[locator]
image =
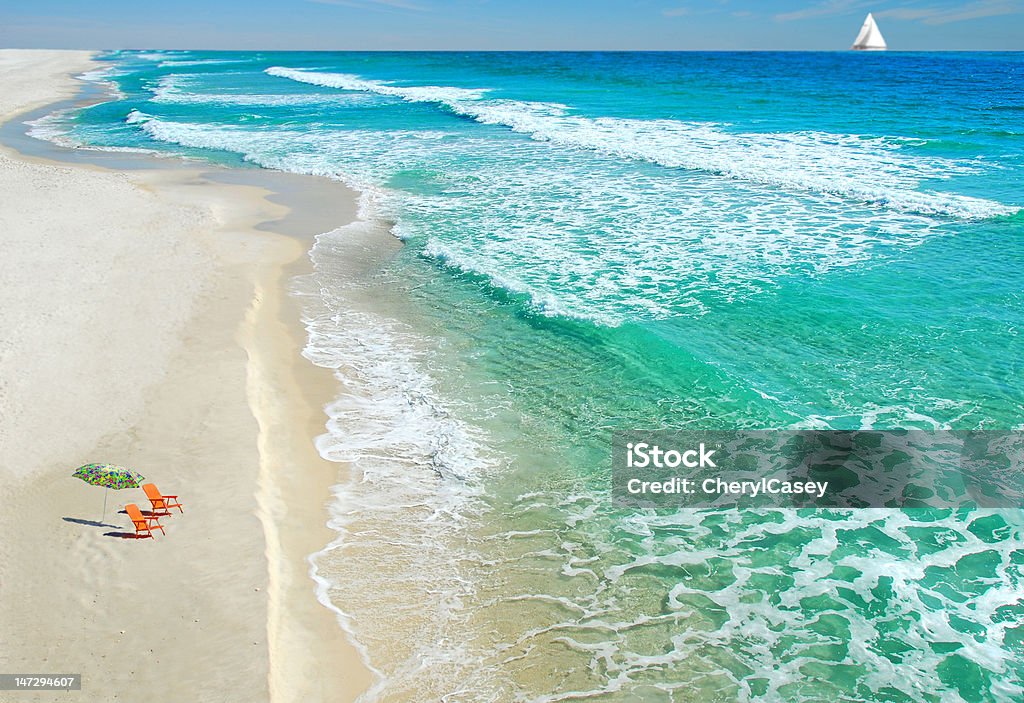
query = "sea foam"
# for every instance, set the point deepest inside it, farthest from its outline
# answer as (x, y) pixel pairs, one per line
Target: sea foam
(863, 169)
(414, 473)
(601, 247)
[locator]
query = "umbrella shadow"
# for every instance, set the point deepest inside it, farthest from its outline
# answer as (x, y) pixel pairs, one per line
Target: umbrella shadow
(88, 523)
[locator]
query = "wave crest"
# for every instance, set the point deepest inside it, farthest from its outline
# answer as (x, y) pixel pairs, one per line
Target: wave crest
(865, 169)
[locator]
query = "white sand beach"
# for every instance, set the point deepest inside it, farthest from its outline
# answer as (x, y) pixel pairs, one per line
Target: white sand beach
(144, 322)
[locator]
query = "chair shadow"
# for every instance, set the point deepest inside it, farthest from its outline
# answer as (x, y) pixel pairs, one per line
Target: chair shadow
(88, 523)
(121, 535)
(124, 535)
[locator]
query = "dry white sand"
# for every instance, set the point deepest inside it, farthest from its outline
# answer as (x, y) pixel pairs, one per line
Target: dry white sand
(143, 321)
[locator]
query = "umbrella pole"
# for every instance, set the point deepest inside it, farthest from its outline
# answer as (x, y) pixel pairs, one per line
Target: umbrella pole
(105, 492)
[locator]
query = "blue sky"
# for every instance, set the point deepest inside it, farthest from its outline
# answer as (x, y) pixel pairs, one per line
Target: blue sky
(494, 24)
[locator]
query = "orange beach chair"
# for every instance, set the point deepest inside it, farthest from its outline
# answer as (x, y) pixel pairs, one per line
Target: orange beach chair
(161, 503)
(143, 525)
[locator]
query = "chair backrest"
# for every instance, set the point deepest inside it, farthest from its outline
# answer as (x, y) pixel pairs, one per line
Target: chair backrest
(134, 513)
(151, 492)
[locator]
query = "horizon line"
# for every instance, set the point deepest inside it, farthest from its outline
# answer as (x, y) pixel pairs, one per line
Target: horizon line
(531, 51)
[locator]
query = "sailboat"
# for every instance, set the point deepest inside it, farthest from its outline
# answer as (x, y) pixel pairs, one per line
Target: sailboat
(870, 38)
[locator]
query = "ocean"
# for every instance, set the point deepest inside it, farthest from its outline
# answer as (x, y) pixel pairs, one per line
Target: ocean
(597, 242)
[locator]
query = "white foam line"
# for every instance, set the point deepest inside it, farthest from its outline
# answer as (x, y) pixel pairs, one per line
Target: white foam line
(172, 89)
(197, 62)
(323, 587)
(413, 466)
(851, 166)
(718, 240)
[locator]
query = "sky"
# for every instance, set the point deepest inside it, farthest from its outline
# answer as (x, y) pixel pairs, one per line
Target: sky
(910, 25)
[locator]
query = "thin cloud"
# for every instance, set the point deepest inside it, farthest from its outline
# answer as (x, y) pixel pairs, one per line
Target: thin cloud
(716, 7)
(384, 5)
(823, 9)
(946, 15)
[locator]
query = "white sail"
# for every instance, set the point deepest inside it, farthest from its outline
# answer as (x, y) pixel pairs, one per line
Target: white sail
(870, 37)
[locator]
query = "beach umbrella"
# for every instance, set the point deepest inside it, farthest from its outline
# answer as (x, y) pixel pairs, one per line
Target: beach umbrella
(109, 476)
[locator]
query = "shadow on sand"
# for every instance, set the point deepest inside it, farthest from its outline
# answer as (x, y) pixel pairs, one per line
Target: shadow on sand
(126, 535)
(89, 523)
(121, 535)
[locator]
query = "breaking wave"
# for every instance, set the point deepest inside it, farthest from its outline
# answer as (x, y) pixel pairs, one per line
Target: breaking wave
(863, 169)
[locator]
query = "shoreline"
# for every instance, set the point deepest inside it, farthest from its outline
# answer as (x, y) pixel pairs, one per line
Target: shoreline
(252, 235)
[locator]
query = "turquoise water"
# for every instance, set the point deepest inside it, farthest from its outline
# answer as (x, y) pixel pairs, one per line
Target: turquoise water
(604, 241)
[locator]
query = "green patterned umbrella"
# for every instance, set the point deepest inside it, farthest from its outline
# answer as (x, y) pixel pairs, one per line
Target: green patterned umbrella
(109, 476)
